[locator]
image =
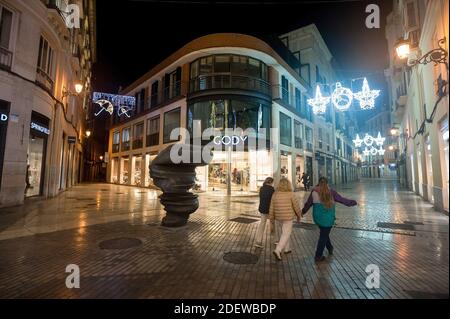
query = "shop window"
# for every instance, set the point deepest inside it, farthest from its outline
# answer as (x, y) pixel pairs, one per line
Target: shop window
(124, 170)
(285, 130)
(115, 170)
(152, 132)
(138, 137)
(116, 142)
(136, 170)
(126, 139)
(171, 122)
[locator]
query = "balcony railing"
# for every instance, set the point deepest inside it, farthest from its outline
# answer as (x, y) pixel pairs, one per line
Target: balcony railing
(152, 139)
(298, 142)
(115, 148)
(138, 143)
(125, 146)
(5, 58)
(309, 146)
(44, 80)
(228, 81)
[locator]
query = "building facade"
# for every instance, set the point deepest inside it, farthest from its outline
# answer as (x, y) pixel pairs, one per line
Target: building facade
(224, 81)
(334, 155)
(419, 98)
(42, 59)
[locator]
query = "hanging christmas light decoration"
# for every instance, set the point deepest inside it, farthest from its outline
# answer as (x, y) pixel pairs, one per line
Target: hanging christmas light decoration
(107, 102)
(342, 97)
(366, 152)
(367, 96)
(357, 141)
(381, 151)
(105, 106)
(368, 140)
(373, 151)
(379, 140)
(319, 102)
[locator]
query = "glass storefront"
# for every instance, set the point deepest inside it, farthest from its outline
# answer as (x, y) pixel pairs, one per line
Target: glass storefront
(124, 176)
(148, 160)
(37, 146)
(115, 170)
(246, 171)
(136, 170)
(299, 169)
(286, 165)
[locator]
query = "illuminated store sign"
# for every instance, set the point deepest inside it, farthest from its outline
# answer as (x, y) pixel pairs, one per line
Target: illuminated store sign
(229, 140)
(3, 117)
(40, 128)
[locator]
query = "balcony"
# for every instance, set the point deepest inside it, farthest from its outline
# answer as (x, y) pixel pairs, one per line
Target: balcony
(138, 143)
(5, 59)
(115, 148)
(228, 81)
(125, 146)
(298, 143)
(152, 139)
(168, 93)
(44, 80)
(309, 146)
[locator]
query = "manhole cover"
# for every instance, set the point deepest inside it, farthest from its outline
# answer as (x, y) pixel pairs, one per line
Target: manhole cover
(305, 226)
(243, 220)
(395, 226)
(120, 243)
(412, 223)
(240, 258)
(242, 202)
(426, 295)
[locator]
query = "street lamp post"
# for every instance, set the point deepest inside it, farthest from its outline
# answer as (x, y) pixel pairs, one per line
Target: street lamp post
(437, 55)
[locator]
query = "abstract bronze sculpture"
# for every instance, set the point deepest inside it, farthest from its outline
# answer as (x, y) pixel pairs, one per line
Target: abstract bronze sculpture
(175, 180)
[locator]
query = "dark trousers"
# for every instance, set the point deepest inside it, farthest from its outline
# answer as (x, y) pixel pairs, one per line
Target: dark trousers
(324, 241)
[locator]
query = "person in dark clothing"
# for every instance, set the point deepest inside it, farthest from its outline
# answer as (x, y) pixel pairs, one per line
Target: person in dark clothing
(305, 181)
(323, 199)
(265, 196)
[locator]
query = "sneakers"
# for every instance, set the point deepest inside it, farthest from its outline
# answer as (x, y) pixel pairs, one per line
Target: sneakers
(288, 251)
(258, 245)
(277, 255)
(319, 259)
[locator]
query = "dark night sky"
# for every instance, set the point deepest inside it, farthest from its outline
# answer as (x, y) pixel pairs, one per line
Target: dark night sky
(135, 35)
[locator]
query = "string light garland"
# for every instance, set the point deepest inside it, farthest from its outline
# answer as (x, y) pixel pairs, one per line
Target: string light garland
(107, 102)
(370, 144)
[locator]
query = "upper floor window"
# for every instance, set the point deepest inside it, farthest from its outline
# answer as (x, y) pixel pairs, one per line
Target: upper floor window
(172, 84)
(298, 100)
(126, 139)
(171, 122)
(309, 138)
(154, 94)
(152, 131)
(45, 58)
(138, 138)
(285, 129)
(116, 141)
(298, 134)
(5, 27)
(284, 89)
(5, 36)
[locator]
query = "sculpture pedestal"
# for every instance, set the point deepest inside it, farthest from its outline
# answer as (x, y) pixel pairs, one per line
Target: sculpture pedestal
(178, 208)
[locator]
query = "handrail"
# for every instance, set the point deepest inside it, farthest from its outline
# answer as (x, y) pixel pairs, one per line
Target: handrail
(228, 81)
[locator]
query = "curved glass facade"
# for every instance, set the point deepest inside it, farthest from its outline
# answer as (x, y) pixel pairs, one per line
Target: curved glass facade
(228, 71)
(233, 112)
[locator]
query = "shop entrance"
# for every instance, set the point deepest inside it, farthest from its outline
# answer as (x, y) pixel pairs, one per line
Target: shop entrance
(35, 165)
(239, 172)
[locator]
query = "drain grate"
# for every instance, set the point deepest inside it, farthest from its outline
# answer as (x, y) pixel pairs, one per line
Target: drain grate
(242, 202)
(305, 226)
(396, 226)
(240, 258)
(426, 295)
(243, 220)
(120, 243)
(407, 222)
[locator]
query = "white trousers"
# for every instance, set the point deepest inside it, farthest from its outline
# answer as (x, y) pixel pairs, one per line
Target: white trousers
(261, 228)
(286, 230)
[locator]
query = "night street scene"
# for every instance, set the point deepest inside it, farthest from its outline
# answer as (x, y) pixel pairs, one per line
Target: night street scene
(225, 156)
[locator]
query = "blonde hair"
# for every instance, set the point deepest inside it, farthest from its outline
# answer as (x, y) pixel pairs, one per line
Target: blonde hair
(284, 185)
(325, 193)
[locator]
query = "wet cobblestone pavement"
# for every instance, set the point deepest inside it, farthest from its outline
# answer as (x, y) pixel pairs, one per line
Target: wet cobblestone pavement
(39, 239)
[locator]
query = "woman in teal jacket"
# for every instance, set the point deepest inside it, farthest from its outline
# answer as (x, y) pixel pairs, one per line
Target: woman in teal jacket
(323, 199)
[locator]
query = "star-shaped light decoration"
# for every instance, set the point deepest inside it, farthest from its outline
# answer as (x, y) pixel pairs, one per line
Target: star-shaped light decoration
(366, 152)
(367, 96)
(381, 151)
(357, 141)
(379, 140)
(319, 102)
